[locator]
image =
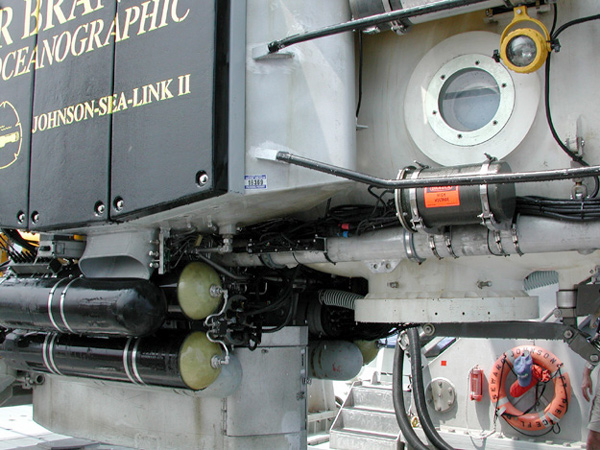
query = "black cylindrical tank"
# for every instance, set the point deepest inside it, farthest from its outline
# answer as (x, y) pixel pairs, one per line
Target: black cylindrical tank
(166, 359)
(82, 306)
(433, 208)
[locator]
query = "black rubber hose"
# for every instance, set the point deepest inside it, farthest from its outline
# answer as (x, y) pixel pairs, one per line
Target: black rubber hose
(408, 433)
(419, 392)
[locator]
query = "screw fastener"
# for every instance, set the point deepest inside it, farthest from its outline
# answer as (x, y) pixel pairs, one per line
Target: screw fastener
(202, 178)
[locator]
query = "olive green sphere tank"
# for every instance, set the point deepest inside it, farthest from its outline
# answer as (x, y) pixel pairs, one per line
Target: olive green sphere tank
(195, 359)
(194, 290)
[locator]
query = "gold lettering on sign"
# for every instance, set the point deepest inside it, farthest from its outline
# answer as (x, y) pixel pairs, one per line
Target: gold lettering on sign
(112, 104)
(45, 15)
(6, 16)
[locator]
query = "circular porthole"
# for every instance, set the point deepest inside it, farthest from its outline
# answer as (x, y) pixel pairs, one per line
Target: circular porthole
(461, 104)
(469, 100)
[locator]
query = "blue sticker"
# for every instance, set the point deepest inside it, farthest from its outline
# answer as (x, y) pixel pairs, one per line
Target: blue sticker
(255, 182)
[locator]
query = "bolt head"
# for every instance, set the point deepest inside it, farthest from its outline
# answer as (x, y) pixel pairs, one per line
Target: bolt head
(594, 358)
(119, 204)
(428, 329)
(202, 178)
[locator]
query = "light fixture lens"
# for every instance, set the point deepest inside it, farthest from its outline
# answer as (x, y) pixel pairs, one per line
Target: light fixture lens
(521, 51)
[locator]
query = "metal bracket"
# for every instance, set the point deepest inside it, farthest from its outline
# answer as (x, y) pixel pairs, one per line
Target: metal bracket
(163, 234)
(262, 54)
(384, 266)
(588, 299)
(578, 341)
(402, 341)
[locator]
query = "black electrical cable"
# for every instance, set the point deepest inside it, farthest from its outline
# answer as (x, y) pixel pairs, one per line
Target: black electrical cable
(408, 433)
(573, 22)
(419, 391)
(360, 72)
(288, 318)
(560, 143)
(572, 209)
(554, 41)
(554, 20)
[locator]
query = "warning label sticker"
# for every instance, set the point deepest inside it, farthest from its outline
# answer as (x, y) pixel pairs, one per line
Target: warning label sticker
(439, 196)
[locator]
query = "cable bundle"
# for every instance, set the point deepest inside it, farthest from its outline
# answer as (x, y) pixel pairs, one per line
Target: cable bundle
(573, 210)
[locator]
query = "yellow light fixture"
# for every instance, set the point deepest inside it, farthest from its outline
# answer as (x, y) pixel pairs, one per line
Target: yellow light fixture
(525, 49)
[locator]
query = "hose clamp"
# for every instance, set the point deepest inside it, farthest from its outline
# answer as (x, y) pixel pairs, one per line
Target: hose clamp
(515, 239)
(486, 216)
(416, 218)
(398, 201)
(448, 239)
(409, 248)
(431, 239)
(498, 242)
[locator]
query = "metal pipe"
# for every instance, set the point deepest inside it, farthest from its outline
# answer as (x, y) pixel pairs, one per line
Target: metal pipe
(371, 21)
(221, 269)
(453, 180)
(531, 235)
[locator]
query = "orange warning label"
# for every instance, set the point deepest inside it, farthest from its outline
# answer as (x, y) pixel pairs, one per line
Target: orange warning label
(439, 196)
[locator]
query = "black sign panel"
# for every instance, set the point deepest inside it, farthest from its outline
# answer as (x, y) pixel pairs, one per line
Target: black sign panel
(110, 109)
(16, 82)
(71, 122)
(162, 143)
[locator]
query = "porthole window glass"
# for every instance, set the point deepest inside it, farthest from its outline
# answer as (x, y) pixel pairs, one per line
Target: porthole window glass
(469, 99)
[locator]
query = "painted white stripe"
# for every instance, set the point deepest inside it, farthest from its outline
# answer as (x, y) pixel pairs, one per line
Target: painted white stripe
(51, 354)
(126, 361)
(62, 305)
(45, 353)
(134, 362)
(50, 298)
